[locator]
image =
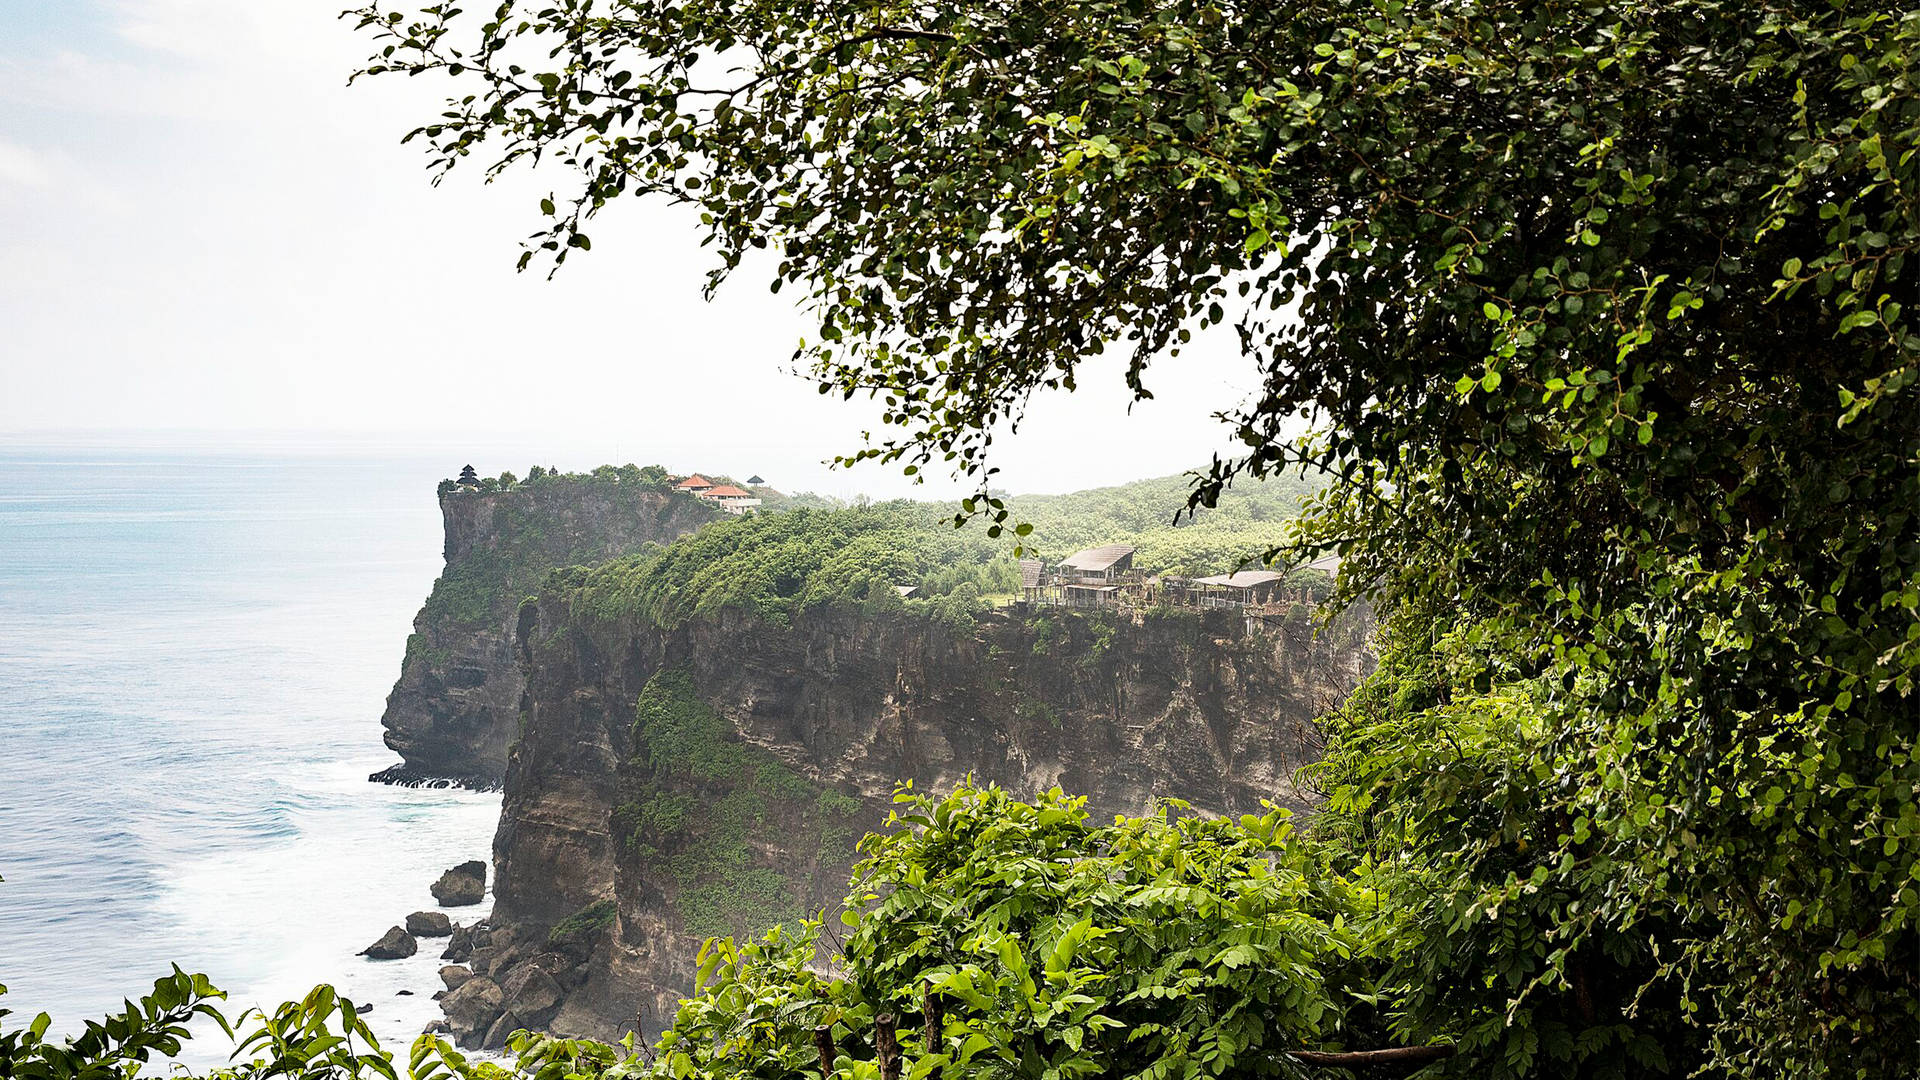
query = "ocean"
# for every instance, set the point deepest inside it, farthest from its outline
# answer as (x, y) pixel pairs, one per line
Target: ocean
(194, 652)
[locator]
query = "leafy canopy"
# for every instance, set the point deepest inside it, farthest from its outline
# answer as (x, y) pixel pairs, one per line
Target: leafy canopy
(323, 1036)
(1602, 314)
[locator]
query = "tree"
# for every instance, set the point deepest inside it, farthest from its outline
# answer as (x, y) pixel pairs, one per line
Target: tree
(1021, 939)
(1601, 315)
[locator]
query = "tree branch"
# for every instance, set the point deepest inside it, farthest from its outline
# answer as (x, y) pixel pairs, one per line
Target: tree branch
(1354, 1059)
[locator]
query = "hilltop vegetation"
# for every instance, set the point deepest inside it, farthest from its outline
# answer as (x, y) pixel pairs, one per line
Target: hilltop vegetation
(529, 536)
(1248, 520)
(644, 477)
(777, 565)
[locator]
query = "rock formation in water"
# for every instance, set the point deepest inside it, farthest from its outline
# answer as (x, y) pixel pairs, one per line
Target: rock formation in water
(429, 924)
(711, 778)
(395, 944)
(455, 706)
(462, 885)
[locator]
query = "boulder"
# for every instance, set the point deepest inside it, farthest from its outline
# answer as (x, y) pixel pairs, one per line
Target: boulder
(530, 994)
(496, 1037)
(460, 947)
(566, 970)
(437, 1027)
(501, 961)
(463, 885)
(403, 993)
(395, 944)
(473, 1008)
(455, 975)
(429, 924)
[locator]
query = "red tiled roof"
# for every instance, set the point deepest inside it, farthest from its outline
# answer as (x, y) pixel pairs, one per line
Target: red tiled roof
(727, 490)
(694, 481)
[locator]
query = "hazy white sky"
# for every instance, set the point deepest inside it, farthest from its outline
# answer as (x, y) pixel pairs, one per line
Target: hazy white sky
(203, 230)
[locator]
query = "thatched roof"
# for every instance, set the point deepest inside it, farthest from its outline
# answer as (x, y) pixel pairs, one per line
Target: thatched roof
(1100, 558)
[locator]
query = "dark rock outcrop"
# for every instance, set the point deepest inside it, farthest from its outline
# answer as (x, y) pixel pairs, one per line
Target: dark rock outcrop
(462, 886)
(434, 923)
(531, 994)
(817, 721)
(395, 944)
(453, 710)
(472, 1009)
(455, 975)
(502, 1029)
(459, 945)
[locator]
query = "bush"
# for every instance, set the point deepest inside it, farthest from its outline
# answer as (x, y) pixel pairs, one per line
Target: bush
(584, 924)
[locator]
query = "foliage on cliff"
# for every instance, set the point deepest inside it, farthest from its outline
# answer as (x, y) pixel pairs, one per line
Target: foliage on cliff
(694, 802)
(535, 526)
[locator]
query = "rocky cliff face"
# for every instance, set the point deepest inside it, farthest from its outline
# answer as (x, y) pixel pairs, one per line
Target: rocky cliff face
(456, 705)
(711, 778)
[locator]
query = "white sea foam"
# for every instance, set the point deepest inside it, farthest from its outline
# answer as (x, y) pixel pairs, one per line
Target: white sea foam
(193, 661)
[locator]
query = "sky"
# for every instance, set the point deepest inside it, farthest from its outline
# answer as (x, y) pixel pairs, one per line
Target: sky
(207, 239)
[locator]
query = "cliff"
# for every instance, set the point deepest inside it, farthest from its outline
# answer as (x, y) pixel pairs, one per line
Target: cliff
(456, 705)
(710, 776)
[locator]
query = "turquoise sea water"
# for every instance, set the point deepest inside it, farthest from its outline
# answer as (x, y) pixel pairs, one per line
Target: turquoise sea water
(194, 653)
